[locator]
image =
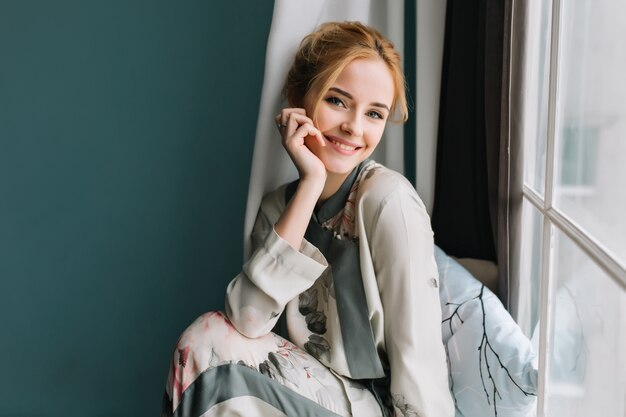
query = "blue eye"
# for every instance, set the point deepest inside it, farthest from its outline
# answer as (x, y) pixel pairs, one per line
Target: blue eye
(375, 115)
(335, 100)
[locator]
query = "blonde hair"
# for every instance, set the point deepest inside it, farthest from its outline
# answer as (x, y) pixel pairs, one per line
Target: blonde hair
(324, 54)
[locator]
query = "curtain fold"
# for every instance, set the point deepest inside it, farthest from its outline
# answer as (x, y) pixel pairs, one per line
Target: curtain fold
(461, 216)
(291, 21)
(478, 178)
(430, 28)
(517, 116)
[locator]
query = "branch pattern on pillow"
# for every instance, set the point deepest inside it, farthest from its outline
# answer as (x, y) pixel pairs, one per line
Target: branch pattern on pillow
(491, 361)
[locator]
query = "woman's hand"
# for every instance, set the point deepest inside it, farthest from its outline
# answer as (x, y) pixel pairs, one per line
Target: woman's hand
(296, 129)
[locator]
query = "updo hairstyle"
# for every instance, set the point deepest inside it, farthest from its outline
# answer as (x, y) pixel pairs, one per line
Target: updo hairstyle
(323, 54)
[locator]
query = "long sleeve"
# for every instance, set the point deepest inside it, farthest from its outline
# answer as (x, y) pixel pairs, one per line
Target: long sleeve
(273, 276)
(402, 250)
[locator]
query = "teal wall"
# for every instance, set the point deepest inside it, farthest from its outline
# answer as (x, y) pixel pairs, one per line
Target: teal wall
(126, 133)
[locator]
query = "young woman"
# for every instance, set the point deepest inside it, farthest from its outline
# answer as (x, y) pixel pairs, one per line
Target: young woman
(342, 268)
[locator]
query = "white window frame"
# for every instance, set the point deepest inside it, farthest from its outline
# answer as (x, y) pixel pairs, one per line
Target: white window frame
(554, 219)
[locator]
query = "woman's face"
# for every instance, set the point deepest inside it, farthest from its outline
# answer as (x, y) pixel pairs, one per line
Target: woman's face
(352, 115)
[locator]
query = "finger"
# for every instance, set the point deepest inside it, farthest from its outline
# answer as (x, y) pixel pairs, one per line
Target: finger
(282, 119)
(279, 124)
(284, 113)
(296, 119)
(301, 119)
(320, 138)
(308, 129)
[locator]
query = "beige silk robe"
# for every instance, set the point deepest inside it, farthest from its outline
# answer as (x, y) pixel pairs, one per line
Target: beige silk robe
(373, 316)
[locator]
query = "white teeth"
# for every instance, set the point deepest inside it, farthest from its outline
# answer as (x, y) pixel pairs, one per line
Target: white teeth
(342, 146)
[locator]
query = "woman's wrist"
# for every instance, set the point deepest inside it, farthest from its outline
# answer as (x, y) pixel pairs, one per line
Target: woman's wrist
(294, 220)
(313, 185)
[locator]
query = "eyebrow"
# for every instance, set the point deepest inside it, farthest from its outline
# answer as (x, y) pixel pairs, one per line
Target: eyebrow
(345, 93)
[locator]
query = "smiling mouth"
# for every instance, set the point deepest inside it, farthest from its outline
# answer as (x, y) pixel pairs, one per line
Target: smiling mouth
(342, 145)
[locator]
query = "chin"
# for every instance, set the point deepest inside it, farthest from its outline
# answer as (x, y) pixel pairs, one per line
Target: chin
(341, 167)
(338, 164)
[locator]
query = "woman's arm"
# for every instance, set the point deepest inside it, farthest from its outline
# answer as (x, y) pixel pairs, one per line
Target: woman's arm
(293, 222)
(402, 250)
(296, 130)
(275, 273)
(283, 264)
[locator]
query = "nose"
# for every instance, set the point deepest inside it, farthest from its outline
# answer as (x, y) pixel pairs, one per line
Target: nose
(353, 126)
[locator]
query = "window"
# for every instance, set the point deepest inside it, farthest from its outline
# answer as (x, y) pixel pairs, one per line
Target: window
(573, 276)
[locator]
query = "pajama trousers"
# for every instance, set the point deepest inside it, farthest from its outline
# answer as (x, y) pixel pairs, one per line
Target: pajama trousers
(216, 371)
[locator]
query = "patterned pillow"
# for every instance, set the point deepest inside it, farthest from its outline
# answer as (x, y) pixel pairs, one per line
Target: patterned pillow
(491, 361)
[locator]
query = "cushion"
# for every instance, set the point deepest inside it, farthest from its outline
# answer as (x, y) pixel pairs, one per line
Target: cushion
(491, 362)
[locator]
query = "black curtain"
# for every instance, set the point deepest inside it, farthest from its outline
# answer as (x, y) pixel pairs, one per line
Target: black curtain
(469, 146)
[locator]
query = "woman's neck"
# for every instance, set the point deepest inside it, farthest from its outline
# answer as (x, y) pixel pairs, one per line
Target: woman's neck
(332, 185)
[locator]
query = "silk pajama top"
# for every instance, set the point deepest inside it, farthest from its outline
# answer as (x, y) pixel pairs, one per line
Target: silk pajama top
(360, 294)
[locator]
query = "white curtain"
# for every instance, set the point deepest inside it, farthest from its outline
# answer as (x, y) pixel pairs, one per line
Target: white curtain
(429, 29)
(291, 21)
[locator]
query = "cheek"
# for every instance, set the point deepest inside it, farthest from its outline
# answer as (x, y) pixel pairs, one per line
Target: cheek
(326, 119)
(312, 143)
(375, 136)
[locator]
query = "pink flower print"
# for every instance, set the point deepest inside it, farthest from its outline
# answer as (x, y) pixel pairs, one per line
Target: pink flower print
(183, 354)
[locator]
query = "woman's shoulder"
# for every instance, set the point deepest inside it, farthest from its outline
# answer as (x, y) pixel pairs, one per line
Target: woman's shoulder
(383, 190)
(379, 183)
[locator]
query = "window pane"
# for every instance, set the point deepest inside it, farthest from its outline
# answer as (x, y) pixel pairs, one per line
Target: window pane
(590, 169)
(530, 270)
(536, 94)
(588, 357)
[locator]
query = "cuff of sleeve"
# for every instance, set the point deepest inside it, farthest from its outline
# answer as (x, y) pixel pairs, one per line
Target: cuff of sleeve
(307, 261)
(276, 261)
(308, 249)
